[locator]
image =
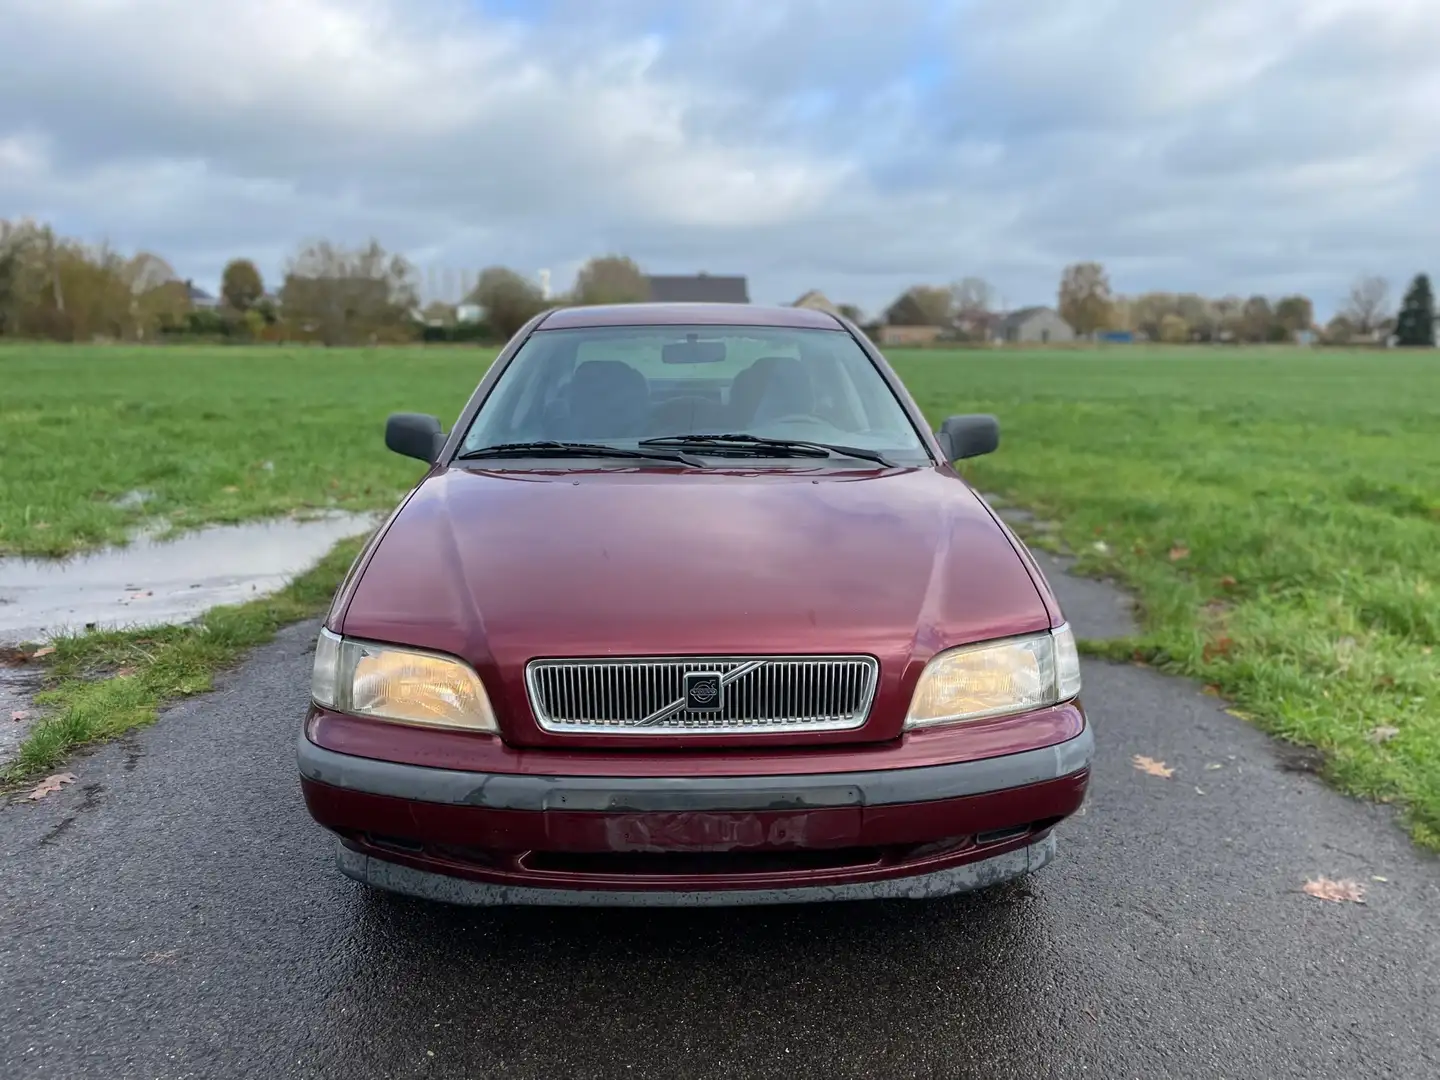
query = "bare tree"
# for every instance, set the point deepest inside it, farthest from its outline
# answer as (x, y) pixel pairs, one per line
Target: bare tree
(972, 297)
(1368, 305)
(1085, 299)
(611, 279)
(348, 295)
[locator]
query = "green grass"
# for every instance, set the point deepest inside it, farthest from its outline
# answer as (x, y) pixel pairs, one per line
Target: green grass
(214, 433)
(1276, 512)
(1298, 492)
(102, 684)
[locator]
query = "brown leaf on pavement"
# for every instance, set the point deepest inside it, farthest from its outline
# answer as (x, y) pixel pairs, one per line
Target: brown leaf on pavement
(1151, 767)
(50, 785)
(1337, 892)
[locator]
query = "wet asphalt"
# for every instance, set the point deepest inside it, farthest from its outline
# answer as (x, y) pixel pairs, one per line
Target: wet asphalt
(174, 913)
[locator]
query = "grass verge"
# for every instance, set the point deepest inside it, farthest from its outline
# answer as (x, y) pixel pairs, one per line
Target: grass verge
(1277, 517)
(101, 684)
(98, 440)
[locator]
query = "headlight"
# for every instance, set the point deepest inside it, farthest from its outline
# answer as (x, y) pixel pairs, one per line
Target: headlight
(406, 686)
(994, 678)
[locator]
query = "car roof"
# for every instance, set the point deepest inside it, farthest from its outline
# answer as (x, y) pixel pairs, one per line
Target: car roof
(676, 314)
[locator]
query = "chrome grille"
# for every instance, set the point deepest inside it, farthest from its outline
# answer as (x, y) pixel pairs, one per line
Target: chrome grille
(759, 693)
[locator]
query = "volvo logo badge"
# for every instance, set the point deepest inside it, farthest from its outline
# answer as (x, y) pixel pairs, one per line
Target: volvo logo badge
(704, 691)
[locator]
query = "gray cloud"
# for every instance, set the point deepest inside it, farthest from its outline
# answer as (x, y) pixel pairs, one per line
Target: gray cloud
(1224, 145)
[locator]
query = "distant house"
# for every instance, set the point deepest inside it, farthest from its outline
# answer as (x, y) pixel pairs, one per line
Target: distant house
(699, 288)
(907, 335)
(815, 300)
(199, 298)
(1041, 325)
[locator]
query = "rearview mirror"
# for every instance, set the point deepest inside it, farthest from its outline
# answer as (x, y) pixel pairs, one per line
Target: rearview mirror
(693, 351)
(968, 436)
(416, 435)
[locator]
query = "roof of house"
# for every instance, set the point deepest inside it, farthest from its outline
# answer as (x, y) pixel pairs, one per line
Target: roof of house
(816, 300)
(1020, 315)
(698, 288)
(701, 314)
(197, 294)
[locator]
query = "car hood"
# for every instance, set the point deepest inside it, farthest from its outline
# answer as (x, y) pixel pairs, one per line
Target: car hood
(503, 567)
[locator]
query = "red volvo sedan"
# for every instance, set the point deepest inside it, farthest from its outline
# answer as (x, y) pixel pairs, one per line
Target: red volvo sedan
(690, 607)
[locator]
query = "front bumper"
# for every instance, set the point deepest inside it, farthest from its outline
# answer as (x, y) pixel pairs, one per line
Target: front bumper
(526, 838)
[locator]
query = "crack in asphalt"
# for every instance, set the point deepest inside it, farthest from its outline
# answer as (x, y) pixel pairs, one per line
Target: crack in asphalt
(190, 923)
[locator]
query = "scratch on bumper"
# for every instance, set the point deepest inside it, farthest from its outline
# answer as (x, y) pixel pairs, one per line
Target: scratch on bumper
(452, 890)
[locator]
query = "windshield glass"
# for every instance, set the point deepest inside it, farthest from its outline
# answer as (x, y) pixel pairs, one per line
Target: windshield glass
(617, 385)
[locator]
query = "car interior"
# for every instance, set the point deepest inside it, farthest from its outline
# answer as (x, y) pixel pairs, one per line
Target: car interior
(610, 399)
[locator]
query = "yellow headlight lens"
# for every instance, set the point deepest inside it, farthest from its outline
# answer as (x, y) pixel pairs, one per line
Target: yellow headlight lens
(996, 678)
(406, 686)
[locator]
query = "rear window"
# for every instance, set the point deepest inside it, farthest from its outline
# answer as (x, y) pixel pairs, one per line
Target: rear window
(618, 385)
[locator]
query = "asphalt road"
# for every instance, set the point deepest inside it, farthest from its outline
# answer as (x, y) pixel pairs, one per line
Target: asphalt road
(175, 914)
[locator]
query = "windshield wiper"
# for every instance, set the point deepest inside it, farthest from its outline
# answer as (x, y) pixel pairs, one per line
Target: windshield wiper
(759, 444)
(553, 448)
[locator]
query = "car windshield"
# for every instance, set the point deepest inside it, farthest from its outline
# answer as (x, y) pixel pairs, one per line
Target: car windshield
(618, 386)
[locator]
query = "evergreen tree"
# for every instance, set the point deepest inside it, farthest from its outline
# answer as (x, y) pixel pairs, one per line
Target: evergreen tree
(1416, 324)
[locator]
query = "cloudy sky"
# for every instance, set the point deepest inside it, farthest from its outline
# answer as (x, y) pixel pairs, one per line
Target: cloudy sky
(857, 146)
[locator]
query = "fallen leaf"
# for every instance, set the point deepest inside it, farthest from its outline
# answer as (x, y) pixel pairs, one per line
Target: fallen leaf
(1177, 553)
(1199, 790)
(1221, 646)
(1337, 892)
(1383, 734)
(50, 785)
(1151, 767)
(121, 673)
(1228, 582)
(42, 652)
(18, 715)
(1212, 690)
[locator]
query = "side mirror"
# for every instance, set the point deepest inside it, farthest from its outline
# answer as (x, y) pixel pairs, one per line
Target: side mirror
(969, 436)
(416, 435)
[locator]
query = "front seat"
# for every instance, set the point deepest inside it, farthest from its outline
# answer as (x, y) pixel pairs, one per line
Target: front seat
(748, 387)
(607, 399)
(787, 392)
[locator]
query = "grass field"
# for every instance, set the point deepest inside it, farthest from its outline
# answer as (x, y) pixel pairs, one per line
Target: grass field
(1277, 512)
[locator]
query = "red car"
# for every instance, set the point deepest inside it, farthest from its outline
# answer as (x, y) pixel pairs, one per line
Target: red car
(691, 607)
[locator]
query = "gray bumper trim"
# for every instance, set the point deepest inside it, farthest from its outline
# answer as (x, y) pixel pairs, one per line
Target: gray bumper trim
(452, 890)
(670, 794)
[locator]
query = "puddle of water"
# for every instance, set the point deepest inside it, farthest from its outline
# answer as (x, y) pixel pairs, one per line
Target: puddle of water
(151, 581)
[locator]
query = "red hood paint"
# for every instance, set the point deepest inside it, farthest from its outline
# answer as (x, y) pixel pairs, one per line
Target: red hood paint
(503, 567)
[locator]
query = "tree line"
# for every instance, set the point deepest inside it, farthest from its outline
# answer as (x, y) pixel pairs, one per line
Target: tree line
(64, 290)
(59, 288)
(966, 310)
